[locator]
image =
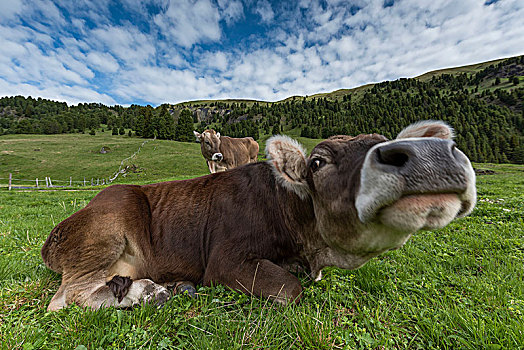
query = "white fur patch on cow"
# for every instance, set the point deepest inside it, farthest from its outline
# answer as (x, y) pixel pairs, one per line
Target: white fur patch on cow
(217, 157)
(427, 128)
(288, 161)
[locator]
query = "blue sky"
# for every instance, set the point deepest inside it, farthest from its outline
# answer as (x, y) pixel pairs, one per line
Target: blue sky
(151, 52)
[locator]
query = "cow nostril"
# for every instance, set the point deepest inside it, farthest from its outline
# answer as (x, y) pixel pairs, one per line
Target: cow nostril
(394, 157)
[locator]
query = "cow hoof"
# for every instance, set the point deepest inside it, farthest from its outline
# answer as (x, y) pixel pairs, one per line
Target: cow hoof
(162, 297)
(188, 289)
(154, 294)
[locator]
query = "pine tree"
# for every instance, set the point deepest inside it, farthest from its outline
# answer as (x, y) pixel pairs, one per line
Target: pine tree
(166, 126)
(184, 127)
(149, 128)
(139, 125)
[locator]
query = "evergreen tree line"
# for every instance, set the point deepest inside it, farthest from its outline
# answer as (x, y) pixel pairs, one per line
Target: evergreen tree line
(161, 125)
(21, 115)
(244, 128)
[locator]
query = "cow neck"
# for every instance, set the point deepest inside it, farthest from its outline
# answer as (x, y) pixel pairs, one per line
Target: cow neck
(315, 251)
(301, 222)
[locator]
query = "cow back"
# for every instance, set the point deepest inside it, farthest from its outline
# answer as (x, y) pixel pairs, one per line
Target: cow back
(238, 151)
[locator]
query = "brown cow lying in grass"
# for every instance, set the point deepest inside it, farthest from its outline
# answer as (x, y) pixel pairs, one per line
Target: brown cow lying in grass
(224, 153)
(352, 199)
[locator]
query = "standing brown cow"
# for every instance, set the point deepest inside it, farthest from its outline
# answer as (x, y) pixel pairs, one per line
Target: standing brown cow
(224, 153)
(352, 199)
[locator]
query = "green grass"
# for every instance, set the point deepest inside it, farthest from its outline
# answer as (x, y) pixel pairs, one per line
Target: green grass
(459, 287)
(78, 156)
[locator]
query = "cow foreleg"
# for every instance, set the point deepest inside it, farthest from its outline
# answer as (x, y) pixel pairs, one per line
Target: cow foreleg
(258, 277)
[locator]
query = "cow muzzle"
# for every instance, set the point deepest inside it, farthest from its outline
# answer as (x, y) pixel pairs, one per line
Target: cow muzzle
(415, 183)
(217, 157)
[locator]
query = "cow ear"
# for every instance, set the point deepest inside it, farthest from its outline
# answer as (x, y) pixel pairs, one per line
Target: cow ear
(427, 128)
(218, 134)
(197, 135)
(288, 160)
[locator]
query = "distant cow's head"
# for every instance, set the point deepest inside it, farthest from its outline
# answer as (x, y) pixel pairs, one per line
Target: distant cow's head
(210, 144)
(370, 194)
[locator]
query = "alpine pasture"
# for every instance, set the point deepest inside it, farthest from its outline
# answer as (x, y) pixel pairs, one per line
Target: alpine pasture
(458, 287)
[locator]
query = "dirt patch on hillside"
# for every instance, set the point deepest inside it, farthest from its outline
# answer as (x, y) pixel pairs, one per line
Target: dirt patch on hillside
(507, 71)
(484, 171)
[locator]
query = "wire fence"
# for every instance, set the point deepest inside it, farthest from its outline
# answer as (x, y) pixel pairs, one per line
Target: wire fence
(47, 182)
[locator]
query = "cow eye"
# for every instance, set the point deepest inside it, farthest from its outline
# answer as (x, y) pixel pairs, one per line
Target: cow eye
(316, 164)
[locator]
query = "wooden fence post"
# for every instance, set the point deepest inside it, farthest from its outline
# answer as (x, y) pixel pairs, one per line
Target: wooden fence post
(70, 181)
(50, 183)
(91, 181)
(84, 180)
(36, 182)
(46, 182)
(10, 178)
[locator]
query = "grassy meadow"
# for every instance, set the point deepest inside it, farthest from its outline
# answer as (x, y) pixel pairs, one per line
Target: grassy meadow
(78, 156)
(458, 287)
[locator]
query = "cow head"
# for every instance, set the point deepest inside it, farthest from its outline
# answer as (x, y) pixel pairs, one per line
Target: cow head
(210, 144)
(370, 194)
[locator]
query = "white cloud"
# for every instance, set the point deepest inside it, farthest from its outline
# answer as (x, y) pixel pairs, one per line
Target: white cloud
(187, 22)
(96, 11)
(10, 8)
(214, 60)
(78, 66)
(103, 62)
(163, 85)
(126, 43)
(265, 11)
(231, 10)
(175, 59)
(47, 13)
